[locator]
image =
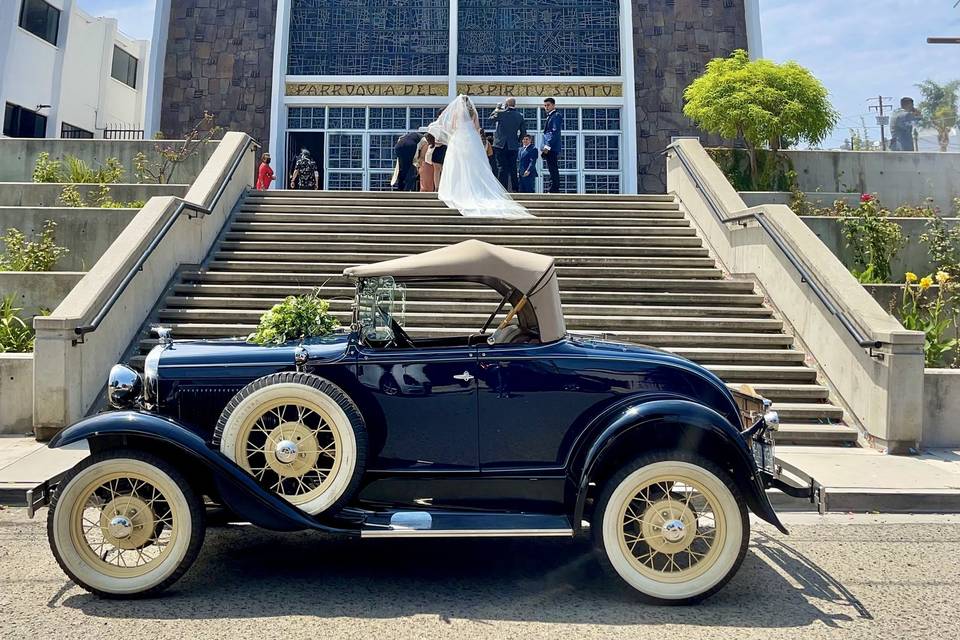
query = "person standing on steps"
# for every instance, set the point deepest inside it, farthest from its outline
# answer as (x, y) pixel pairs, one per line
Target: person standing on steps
(264, 173)
(552, 142)
(511, 126)
(305, 175)
(424, 163)
(527, 160)
(405, 150)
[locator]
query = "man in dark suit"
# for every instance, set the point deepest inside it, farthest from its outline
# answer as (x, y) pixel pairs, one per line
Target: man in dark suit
(405, 149)
(552, 142)
(527, 159)
(506, 140)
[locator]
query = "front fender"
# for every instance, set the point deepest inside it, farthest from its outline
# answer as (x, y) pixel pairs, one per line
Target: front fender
(682, 424)
(239, 491)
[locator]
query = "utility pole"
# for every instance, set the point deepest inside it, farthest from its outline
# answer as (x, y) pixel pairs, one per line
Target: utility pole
(882, 119)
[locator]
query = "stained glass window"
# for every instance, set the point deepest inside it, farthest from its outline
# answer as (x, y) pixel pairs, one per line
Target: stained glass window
(601, 119)
(539, 37)
(601, 152)
(422, 116)
(345, 151)
(369, 37)
(381, 149)
(306, 118)
(347, 118)
(341, 181)
(568, 182)
(388, 118)
(380, 181)
(596, 183)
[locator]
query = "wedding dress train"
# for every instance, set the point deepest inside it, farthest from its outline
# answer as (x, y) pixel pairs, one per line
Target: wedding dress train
(466, 182)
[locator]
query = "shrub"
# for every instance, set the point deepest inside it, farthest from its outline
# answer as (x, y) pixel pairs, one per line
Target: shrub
(943, 245)
(100, 197)
(872, 238)
(169, 156)
(47, 170)
(76, 170)
(296, 317)
(932, 312)
(16, 334)
(40, 254)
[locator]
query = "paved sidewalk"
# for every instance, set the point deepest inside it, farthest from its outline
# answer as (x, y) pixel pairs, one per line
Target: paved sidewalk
(25, 463)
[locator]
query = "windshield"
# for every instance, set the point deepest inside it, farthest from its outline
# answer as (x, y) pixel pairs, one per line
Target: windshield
(380, 300)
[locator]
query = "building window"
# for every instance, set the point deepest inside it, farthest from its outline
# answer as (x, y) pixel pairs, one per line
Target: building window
(369, 37)
(345, 151)
(347, 118)
(307, 118)
(601, 119)
(601, 152)
(422, 116)
(70, 131)
(23, 123)
(388, 118)
(381, 150)
(539, 38)
(124, 67)
(40, 19)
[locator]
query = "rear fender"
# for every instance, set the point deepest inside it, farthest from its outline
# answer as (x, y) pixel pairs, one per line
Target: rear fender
(671, 424)
(238, 490)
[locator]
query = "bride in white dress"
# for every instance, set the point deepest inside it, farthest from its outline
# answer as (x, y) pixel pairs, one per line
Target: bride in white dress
(467, 183)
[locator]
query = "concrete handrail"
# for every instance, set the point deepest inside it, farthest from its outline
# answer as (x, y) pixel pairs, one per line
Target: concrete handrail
(126, 281)
(872, 363)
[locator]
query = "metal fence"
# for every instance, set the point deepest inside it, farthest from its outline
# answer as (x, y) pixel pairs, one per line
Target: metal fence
(121, 133)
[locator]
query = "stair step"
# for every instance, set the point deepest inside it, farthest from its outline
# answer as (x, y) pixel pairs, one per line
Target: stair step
(476, 320)
(476, 293)
(566, 284)
(265, 213)
(797, 411)
(339, 261)
(790, 392)
(401, 230)
(386, 246)
(815, 434)
(239, 232)
(751, 374)
(705, 355)
(334, 270)
(438, 306)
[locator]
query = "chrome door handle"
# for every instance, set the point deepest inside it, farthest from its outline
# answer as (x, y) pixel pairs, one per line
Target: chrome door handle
(465, 376)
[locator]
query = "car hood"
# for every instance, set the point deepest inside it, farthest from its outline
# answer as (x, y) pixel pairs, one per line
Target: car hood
(237, 351)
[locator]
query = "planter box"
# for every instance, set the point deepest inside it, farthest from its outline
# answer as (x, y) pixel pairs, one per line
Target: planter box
(941, 408)
(36, 290)
(16, 393)
(30, 194)
(87, 233)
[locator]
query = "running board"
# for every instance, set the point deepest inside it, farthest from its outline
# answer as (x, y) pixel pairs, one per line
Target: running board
(435, 524)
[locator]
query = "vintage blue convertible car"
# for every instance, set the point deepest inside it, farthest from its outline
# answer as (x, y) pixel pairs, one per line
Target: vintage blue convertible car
(522, 431)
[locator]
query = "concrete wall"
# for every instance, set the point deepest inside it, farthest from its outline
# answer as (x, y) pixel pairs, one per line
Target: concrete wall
(34, 290)
(18, 156)
(880, 389)
(33, 194)
(914, 256)
(941, 408)
(69, 377)
(897, 177)
(817, 198)
(16, 392)
(87, 233)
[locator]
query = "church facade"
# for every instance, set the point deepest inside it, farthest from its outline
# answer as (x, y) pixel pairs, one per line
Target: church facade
(344, 78)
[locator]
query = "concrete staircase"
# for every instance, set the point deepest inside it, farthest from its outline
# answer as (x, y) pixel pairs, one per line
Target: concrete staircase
(631, 266)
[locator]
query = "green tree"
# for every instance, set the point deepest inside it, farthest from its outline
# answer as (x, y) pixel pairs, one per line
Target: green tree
(939, 109)
(761, 102)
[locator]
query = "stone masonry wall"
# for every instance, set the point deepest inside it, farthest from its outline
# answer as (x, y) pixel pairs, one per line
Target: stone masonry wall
(673, 40)
(219, 59)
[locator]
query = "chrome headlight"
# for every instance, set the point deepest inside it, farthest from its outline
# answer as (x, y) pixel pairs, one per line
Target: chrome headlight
(772, 418)
(123, 387)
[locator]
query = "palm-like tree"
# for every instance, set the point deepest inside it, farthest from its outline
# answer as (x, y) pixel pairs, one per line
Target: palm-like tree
(939, 108)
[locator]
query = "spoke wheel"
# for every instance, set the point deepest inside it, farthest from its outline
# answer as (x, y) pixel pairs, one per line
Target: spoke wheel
(674, 529)
(292, 447)
(125, 524)
(299, 436)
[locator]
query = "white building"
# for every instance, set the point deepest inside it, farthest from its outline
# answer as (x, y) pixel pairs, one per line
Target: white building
(64, 73)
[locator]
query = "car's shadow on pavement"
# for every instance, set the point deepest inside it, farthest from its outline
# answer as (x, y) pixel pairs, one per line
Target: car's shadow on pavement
(243, 572)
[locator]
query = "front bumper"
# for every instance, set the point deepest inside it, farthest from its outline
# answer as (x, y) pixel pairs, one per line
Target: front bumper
(774, 472)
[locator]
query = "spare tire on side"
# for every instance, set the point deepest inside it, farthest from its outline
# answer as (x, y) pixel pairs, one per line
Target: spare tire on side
(300, 436)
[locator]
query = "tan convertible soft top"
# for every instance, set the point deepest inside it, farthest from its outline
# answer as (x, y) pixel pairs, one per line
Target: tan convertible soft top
(532, 275)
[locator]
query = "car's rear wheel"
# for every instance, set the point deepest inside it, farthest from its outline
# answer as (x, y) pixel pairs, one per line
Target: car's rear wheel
(124, 524)
(672, 526)
(299, 436)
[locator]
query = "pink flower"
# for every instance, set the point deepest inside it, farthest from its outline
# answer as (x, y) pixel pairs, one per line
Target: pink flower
(866, 197)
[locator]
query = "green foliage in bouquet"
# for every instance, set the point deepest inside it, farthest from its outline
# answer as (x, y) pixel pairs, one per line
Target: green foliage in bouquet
(296, 317)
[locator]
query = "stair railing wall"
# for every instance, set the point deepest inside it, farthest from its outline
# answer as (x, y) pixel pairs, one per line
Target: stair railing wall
(872, 362)
(89, 331)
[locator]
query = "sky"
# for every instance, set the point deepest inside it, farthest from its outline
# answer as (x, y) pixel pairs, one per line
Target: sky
(858, 48)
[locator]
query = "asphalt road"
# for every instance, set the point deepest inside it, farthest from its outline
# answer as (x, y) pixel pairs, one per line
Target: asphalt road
(839, 577)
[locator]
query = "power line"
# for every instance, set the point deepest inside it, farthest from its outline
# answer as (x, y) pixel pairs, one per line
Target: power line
(882, 120)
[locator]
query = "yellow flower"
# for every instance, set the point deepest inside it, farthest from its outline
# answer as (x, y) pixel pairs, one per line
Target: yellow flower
(925, 283)
(942, 277)
(911, 276)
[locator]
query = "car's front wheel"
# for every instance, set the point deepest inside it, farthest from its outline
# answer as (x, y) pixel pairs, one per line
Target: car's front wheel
(672, 526)
(125, 523)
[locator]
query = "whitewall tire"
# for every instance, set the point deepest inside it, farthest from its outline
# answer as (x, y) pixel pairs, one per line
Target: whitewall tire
(125, 524)
(672, 526)
(299, 436)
